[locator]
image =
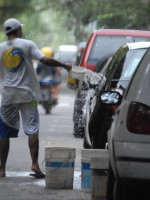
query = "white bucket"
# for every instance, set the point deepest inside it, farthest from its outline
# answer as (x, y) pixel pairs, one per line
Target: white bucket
(75, 77)
(59, 167)
(99, 171)
(86, 155)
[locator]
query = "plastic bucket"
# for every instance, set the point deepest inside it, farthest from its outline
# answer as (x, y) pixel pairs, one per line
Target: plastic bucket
(99, 171)
(59, 167)
(86, 155)
(75, 77)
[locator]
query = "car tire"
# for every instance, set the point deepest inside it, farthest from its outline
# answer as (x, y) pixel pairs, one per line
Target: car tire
(97, 127)
(100, 142)
(47, 107)
(117, 189)
(123, 190)
(110, 184)
(85, 144)
(120, 191)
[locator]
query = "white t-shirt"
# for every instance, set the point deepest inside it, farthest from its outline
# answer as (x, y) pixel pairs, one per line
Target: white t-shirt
(20, 83)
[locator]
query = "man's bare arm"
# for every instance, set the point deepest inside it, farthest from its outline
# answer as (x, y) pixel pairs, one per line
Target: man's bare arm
(54, 63)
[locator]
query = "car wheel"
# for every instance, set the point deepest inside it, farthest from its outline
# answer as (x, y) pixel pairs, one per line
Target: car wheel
(97, 127)
(46, 107)
(99, 140)
(123, 190)
(110, 184)
(117, 189)
(85, 144)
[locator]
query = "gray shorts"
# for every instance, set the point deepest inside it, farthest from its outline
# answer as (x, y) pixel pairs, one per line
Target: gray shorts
(10, 119)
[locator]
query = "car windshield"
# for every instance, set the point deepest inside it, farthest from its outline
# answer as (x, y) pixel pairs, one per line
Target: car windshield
(66, 56)
(104, 45)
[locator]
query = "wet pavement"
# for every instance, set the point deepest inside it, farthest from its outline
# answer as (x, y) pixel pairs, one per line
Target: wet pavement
(20, 186)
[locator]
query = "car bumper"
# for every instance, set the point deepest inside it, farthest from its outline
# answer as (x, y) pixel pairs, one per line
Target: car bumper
(132, 160)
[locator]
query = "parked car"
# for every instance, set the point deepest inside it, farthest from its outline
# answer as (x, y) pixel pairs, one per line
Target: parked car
(118, 75)
(80, 51)
(100, 44)
(66, 53)
(129, 137)
(100, 68)
(92, 88)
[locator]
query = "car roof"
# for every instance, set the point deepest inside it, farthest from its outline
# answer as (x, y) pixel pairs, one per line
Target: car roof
(138, 45)
(122, 32)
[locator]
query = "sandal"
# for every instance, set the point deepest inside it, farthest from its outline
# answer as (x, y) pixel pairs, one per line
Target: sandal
(3, 175)
(37, 174)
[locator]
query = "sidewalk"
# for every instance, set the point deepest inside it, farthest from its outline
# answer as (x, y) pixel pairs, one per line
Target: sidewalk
(20, 186)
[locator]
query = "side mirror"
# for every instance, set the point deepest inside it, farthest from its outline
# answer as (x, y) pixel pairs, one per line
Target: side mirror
(110, 97)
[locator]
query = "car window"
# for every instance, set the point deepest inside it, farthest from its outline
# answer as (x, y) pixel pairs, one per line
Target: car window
(128, 64)
(104, 45)
(115, 61)
(101, 63)
(126, 68)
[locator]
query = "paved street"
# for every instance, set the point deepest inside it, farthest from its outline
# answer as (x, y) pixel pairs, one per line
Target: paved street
(55, 131)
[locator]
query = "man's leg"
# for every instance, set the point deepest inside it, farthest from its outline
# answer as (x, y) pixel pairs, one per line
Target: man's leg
(57, 89)
(30, 119)
(34, 151)
(4, 149)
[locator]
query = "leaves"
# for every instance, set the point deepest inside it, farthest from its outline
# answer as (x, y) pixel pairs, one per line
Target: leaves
(56, 22)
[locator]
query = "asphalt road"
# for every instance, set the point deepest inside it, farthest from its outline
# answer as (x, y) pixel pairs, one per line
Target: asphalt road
(56, 130)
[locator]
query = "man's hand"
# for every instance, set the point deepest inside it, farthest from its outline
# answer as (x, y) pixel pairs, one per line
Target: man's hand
(68, 67)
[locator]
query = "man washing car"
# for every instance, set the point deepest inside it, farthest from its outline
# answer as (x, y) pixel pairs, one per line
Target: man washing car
(21, 92)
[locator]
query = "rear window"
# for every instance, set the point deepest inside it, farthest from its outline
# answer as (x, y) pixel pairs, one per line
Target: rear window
(104, 45)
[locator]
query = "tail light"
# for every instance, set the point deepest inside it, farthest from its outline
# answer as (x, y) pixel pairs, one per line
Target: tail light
(138, 118)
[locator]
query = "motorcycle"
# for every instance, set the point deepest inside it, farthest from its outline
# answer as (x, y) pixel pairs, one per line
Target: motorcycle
(46, 85)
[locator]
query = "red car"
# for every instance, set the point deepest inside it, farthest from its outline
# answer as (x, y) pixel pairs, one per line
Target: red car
(107, 41)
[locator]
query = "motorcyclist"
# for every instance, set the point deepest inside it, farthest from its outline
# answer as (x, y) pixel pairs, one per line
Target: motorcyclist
(54, 72)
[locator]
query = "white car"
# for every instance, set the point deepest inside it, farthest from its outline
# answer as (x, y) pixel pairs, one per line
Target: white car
(129, 137)
(67, 53)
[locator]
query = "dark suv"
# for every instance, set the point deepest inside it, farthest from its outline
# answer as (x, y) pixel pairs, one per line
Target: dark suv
(101, 43)
(118, 74)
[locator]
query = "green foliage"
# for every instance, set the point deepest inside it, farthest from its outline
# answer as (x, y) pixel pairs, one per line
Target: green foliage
(56, 22)
(108, 13)
(42, 24)
(129, 14)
